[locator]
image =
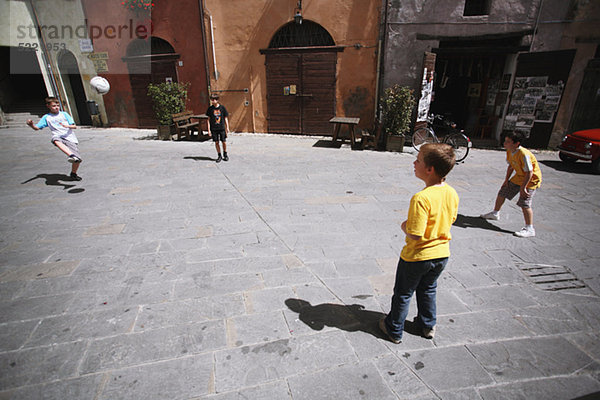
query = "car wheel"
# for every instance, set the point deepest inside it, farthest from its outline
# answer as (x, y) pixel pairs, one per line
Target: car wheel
(596, 166)
(566, 158)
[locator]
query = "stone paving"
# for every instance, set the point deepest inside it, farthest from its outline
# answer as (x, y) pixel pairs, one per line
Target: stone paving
(164, 275)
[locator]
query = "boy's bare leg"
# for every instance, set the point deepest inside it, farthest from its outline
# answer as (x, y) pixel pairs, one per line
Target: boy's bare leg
(75, 167)
(218, 147)
(224, 147)
(63, 148)
(528, 214)
(499, 202)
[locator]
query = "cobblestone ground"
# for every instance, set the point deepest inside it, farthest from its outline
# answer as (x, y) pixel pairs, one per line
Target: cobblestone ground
(164, 275)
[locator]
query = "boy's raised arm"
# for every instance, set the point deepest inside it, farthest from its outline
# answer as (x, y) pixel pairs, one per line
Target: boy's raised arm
(31, 125)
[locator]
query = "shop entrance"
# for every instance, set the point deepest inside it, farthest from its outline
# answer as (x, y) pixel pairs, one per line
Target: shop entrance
(470, 85)
(465, 90)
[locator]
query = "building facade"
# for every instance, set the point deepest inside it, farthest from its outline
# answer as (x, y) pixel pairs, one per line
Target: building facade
(495, 65)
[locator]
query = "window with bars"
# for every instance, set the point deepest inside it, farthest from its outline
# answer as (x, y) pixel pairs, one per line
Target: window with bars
(476, 7)
(307, 34)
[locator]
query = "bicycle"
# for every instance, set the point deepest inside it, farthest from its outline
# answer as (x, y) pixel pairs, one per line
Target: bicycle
(457, 139)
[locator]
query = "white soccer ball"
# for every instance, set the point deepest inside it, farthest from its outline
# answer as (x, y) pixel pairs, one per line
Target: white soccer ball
(100, 84)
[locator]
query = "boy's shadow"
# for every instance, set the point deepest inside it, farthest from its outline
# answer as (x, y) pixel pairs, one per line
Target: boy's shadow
(199, 158)
(465, 221)
(53, 180)
(350, 318)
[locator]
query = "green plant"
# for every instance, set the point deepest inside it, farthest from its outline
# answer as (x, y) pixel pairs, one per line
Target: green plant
(397, 106)
(168, 98)
(137, 5)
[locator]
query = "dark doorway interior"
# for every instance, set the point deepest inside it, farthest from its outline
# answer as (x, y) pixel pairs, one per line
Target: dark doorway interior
(468, 86)
(22, 86)
(465, 87)
(74, 86)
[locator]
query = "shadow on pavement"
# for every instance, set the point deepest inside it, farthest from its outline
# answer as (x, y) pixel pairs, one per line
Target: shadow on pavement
(328, 143)
(576, 167)
(350, 318)
(465, 221)
(199, 158)
(148, 137)
(54, 180)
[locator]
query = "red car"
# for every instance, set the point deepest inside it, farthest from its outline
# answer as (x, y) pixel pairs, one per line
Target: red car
(581, 145)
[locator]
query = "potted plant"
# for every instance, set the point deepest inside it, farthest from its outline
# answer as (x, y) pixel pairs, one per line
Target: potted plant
(397, 105)
(168, 98)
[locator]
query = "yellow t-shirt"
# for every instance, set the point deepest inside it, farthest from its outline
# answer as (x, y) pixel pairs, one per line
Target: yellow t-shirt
(522, 160)
(432, 212)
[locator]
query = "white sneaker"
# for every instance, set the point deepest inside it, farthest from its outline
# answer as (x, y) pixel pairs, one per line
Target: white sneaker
(494, 215)
(525, 232)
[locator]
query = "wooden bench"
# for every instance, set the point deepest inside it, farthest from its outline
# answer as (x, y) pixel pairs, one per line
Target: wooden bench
(347, 121)
(184, 126)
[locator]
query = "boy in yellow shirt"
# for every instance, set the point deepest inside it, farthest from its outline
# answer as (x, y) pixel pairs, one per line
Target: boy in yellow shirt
(525, 181)
(432, 212)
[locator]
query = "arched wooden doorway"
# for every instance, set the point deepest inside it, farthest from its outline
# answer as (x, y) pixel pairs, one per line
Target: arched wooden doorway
(301, 69)
(71, 78)
(149, 62)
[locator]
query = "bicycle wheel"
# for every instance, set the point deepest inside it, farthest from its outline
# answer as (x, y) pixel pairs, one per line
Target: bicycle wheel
(422, 136)
(461, 144)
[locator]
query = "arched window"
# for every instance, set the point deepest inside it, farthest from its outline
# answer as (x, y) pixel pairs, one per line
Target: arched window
(140, 47)
(307, 34)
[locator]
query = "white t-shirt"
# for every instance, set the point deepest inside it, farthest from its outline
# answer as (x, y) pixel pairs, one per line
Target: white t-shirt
(55, 122)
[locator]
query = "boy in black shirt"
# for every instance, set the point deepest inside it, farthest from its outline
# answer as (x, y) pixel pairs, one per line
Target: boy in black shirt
(218, 125)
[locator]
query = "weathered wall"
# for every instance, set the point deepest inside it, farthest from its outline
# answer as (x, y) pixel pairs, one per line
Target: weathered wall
(243, 27)
(404, 53)
(177, 23)
(581, 33)
(558, 25)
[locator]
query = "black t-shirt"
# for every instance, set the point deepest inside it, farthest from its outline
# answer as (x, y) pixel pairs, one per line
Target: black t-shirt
(216, 116)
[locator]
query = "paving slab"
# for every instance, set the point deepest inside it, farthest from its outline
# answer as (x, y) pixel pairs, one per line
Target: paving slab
(172, 276)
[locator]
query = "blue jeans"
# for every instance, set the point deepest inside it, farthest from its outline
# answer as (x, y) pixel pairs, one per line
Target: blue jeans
(419, 276)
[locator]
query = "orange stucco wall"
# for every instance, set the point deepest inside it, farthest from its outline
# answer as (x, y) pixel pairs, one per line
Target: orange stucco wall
(243, 27)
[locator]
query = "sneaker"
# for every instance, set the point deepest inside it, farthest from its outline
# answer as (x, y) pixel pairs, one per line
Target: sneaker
(73, 159)
(429, 333)
(225, 157)
(385, 331)
(75, 177)
(219, 158)
(493, 215)
(525, 232)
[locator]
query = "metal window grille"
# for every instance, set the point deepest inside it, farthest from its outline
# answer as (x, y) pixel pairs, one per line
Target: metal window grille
(307, 34)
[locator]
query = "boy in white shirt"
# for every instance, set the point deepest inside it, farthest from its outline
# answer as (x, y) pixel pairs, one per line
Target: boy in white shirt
(61, 126)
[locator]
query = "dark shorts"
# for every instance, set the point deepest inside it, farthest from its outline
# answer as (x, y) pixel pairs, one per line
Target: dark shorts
(511, 190)
(72, 146)
(219, 136)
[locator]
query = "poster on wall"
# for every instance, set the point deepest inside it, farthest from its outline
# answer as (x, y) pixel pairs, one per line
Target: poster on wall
(533, 100)
(426, 94)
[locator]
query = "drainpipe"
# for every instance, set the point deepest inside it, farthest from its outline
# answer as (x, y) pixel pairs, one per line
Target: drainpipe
(203, 27)
(537, 23)
(380, 57)
(212, 40)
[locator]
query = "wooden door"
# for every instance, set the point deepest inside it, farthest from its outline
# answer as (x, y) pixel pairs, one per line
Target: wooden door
(301, 92)
(283, 71)
(139, 86)
(318, 92)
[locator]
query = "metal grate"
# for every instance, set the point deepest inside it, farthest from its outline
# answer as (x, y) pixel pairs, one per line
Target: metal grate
(551, 277)
(307, 34)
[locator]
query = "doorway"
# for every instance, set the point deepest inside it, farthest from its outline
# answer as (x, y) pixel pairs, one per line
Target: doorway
(301, 79)
(71, 78)
(143, 70)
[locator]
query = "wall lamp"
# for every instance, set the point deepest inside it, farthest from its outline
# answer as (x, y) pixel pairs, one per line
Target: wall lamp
(298, 15)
